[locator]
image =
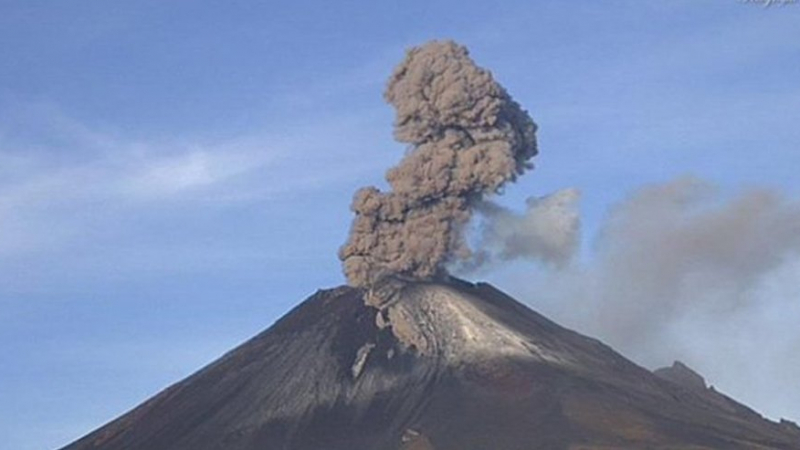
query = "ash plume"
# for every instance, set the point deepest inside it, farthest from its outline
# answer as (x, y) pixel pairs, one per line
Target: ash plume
(467, 139)
(682, 271)
(681, 249)
(547, 232)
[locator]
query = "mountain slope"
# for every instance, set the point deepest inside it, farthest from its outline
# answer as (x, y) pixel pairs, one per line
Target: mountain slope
(444, 366)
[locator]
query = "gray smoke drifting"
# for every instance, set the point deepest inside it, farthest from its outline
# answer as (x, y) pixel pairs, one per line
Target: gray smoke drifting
(467, 139)
(680, 271)
(676, 248)
(547, 232)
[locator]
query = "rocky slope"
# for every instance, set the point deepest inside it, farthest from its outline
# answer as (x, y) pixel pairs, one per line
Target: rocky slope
(445, 366)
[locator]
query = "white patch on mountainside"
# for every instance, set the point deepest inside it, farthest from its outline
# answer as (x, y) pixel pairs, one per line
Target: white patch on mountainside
(438, 320)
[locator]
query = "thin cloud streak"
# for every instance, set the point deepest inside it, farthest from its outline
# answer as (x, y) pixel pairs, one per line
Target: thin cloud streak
(43, 203)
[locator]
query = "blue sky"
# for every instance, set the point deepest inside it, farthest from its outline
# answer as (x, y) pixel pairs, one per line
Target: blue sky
(176, 175)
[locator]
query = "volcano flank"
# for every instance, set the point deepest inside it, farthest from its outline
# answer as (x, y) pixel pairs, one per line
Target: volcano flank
(445, 365)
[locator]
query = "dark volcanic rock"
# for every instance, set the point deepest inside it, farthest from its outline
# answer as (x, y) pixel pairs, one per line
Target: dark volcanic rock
(682, 375)
(432, 366)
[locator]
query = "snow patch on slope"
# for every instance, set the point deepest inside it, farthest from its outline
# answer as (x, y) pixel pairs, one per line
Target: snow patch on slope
(438, 320)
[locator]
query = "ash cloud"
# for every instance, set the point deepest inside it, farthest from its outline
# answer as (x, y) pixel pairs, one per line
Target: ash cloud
(467, 139)
(682, 271)
(678, 247)
(547, 232)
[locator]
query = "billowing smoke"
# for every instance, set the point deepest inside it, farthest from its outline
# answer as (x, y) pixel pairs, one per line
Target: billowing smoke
(681, 271)
(467, 139)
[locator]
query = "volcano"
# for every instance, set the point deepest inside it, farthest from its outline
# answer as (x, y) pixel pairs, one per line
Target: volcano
(444, 365)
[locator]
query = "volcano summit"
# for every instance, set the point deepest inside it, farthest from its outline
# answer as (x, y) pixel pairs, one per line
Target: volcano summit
(431, 365)
(409, 358)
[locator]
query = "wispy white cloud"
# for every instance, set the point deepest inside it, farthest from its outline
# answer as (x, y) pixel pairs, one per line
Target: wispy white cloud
(57, 174)
(194, 169)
